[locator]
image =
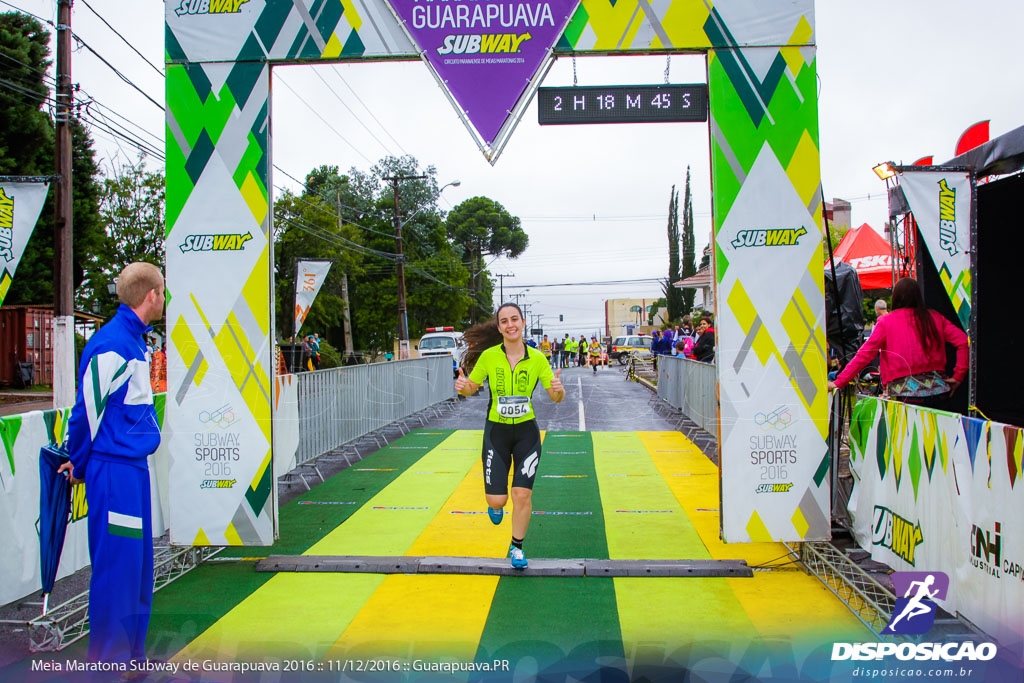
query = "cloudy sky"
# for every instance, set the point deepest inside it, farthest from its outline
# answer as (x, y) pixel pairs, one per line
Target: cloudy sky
(897, 81)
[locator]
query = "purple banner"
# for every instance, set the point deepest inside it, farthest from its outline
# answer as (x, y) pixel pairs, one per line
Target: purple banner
(485, 51)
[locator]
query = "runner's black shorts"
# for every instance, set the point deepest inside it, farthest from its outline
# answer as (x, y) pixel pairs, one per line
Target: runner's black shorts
(506, 445)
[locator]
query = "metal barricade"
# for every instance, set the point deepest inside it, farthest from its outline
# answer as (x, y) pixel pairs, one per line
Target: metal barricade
(342, 404)
(691, 387)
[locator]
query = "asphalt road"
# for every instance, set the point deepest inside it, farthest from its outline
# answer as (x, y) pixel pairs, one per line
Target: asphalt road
(603, 401)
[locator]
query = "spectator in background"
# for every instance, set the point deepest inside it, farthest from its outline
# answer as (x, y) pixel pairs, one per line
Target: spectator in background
(545, 348)
(704, 348)
(912, 342)
(881, 308)
(667, 342)
(582, 360)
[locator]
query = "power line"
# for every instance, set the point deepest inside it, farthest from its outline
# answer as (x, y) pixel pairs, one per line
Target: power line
(118, 34)
(588, 284)
(326, 123)
(120, 75)
(368, 110)
(337, 97)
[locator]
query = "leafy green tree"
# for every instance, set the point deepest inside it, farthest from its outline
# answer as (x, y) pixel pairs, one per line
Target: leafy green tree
(689, 256)
(27, 148)
(483, 227)
(308, 226)
(132, 209)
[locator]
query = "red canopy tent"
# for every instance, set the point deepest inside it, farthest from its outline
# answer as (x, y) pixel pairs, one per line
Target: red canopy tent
(869, 254)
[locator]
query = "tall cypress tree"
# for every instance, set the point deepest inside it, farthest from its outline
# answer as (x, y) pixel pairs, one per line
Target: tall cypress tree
(689, 255)
(672, 293)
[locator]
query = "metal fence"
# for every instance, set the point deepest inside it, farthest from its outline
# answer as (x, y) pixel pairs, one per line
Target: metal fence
(342, 404)
(690, 386)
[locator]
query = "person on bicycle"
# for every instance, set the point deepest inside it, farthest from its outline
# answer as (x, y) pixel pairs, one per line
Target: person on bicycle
(511, 437)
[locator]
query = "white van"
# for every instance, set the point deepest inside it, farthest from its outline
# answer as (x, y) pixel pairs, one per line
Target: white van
(442, 341)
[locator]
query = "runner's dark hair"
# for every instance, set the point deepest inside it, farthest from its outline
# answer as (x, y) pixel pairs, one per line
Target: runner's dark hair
(483, 336)
(907, 294)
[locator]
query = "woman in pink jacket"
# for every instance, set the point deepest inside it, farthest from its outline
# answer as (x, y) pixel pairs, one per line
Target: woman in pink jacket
(912, 342)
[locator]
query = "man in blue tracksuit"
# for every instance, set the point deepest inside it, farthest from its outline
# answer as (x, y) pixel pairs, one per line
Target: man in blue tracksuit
(112, 431)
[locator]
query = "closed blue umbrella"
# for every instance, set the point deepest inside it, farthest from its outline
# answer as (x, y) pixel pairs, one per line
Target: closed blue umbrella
(54, 512)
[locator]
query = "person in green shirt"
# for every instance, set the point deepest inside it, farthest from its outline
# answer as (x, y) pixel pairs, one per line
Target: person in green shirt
(512, 369)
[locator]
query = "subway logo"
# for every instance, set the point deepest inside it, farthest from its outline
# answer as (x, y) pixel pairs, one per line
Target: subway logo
(215, 242)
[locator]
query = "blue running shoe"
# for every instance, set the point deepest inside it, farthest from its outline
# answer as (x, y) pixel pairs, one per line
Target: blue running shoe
(495, 515)
(518, 558)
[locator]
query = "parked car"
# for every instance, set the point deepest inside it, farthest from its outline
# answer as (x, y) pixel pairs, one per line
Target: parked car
(442, 341)
(621, 346)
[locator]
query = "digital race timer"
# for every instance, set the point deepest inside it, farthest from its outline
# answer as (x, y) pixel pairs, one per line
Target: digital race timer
(622, 104)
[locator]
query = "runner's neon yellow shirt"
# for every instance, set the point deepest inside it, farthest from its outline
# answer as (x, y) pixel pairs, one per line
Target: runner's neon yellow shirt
(508, 387)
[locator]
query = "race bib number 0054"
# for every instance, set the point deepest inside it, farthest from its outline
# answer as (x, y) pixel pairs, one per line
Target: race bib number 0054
(514, 406)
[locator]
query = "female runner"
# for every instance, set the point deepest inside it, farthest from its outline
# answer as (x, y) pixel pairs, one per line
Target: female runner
(511, 436)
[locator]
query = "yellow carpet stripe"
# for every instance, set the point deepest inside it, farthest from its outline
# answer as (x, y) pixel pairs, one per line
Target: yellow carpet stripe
(303, 614)
(394, 618)
(781, 603)
(687, 610)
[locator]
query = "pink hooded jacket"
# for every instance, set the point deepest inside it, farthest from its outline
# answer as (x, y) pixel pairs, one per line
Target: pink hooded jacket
(895, 336)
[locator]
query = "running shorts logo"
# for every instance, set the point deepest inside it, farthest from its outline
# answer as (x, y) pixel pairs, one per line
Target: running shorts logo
(6, 226)
(487, 465)
(530, 465)
(778, 237)
(947, 217)
(215, 242)
(914, 612)
(192, 7)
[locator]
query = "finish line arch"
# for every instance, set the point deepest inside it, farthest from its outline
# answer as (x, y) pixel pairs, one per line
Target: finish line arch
(768, 257)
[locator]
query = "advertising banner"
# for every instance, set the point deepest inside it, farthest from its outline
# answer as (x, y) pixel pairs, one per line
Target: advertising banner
(934, 492)
(485, 53)
(309, 278)
(219, 259)
(770, 305)
(941, 204)
(20, 204)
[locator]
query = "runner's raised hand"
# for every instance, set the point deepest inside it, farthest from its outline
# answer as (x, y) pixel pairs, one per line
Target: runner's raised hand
(460, 382)
(556, 382)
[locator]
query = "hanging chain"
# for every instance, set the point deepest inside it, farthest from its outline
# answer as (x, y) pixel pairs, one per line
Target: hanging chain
(668, 65)
(574, 71)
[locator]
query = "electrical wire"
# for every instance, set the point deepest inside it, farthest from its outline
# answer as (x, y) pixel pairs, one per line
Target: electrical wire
(125, 40)
(120, 75)
(325, 121)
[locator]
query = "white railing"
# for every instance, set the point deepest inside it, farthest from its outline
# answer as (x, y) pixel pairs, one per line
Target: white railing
(342, 404)
(690, 386)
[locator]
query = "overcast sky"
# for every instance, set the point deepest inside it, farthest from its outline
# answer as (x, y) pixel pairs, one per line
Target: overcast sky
(897, 81)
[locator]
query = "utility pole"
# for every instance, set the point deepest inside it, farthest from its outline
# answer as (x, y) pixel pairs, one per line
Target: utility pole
(403, 320)
(344, 291)
(63, 294)
(501, 287)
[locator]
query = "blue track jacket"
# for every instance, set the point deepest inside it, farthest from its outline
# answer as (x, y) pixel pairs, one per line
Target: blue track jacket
(114, 418)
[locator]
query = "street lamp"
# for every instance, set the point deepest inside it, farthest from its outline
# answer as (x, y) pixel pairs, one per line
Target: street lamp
(403, 318)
